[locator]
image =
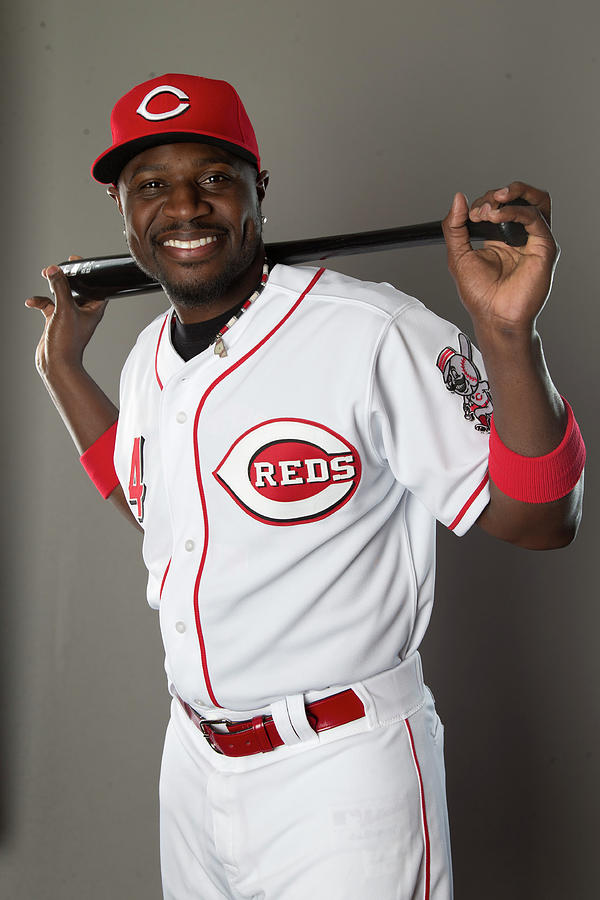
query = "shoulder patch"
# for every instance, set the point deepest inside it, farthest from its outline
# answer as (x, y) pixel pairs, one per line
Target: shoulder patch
(461, 376)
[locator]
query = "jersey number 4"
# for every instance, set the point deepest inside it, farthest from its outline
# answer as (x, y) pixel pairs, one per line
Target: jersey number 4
(137, 488)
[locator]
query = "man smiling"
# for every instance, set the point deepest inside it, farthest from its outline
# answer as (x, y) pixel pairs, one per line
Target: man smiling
(204, 253)
(286, 438)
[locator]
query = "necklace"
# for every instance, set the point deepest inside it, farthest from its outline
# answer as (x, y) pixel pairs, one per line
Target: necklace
(220, 348)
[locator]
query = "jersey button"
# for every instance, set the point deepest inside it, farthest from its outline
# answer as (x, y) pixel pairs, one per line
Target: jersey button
(181, 417)
(180, 627)
(189, 546)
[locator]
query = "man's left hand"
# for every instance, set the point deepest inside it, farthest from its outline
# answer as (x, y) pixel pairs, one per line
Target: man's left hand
(503, 287)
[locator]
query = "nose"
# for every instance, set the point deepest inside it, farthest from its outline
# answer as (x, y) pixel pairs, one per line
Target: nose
(186, 200)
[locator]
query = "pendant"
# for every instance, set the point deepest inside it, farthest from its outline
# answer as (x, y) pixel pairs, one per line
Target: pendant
(220, 348)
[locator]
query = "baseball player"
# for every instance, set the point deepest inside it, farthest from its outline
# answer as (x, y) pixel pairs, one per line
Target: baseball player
(286, 438)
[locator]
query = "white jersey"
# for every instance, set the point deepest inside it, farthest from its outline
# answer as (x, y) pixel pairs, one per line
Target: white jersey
(289, 491)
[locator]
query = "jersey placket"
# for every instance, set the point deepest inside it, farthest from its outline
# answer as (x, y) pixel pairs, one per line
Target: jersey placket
(201, 473)
(179, 617)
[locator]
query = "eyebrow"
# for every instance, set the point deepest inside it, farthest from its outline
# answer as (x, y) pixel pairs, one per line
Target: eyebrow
(161, 167)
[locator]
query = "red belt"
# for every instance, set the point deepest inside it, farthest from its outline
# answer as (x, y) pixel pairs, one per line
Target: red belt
(259, 735)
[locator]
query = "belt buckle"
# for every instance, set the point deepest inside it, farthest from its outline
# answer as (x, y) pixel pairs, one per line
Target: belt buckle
(205, 726)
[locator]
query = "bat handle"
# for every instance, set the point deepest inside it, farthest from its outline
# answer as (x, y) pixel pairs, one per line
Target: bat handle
(511, 233)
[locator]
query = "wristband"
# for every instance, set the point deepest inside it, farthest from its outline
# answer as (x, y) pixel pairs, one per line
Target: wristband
(538, 479)
(97, 461)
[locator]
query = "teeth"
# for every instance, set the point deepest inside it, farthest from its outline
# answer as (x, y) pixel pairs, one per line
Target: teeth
(191, 245)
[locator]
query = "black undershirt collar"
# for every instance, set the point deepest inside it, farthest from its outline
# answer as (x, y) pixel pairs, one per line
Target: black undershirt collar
(191, 339)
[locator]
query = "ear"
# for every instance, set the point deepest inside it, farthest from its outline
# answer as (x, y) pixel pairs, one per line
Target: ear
(262, 181)
(113, 191)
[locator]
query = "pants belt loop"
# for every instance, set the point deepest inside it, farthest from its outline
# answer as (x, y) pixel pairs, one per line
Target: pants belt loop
(283, 723)
(299, 721)
(289, 716)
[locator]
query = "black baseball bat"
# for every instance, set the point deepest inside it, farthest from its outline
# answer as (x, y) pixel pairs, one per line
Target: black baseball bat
(117, 276)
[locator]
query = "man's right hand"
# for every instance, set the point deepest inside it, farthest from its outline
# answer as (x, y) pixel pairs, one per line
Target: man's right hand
(68, 324)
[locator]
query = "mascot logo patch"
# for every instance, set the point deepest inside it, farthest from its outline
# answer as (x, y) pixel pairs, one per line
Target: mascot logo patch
(289, 471)
(462, 377)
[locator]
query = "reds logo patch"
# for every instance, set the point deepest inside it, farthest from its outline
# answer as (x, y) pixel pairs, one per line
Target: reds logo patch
(168, 113)
(290, 471)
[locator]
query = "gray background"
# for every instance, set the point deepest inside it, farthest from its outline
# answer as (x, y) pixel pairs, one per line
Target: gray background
(368, 116)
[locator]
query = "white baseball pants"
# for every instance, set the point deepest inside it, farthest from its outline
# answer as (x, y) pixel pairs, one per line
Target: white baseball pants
(355, 812)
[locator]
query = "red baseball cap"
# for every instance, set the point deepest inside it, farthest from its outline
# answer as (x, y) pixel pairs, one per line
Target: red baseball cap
(171, 109)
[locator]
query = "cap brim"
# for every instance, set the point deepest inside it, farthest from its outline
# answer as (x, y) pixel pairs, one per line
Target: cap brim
(110, 164)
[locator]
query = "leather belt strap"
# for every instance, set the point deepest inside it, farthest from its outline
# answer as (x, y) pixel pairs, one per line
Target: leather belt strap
(259, 735)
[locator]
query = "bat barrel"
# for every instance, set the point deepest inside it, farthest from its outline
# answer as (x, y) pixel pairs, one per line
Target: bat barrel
(316, 249)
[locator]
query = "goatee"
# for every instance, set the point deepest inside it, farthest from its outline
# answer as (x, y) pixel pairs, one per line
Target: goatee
(194, 290)
(200, 292)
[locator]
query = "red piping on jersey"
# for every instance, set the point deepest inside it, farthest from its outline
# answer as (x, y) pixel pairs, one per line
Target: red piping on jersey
(164, 578)
(160, 384)
(470, 501)
(423, 813)
(199, 474)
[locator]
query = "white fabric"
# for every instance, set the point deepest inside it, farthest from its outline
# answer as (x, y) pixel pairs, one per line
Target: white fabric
(254, 609)
(341, 818)
(394, 694)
